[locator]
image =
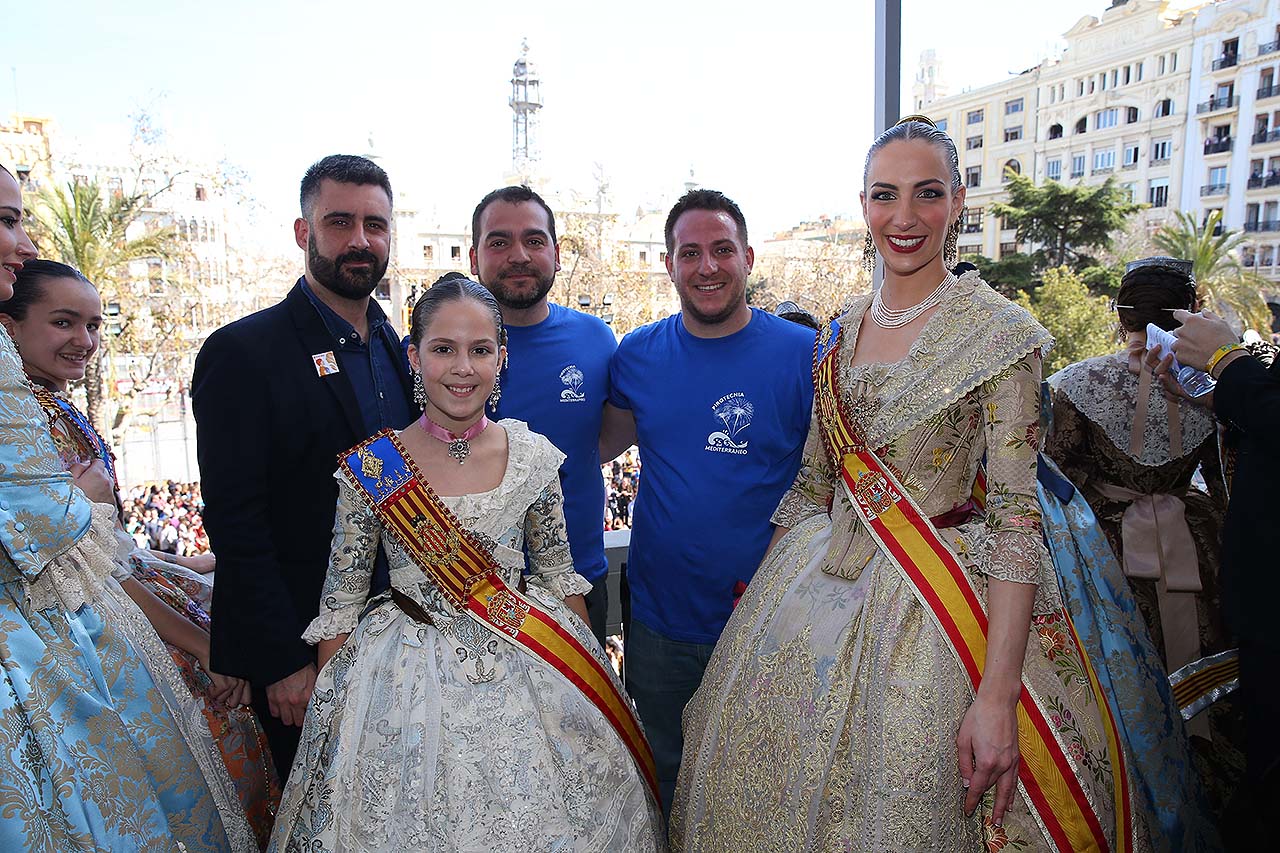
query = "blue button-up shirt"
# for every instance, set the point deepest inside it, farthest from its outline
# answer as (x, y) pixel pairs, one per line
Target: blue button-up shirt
(371, 368)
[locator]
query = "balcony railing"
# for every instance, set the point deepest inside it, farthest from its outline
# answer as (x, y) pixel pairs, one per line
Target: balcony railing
(972, 228)
(1217, 146)
(1260, 180)
(1268, 92)
(1262, 226)
(1214, 104)
(1228, 61)
(1213, 189)
(1263, 137)
(1132, 165)
(1269, 47)
(1254, 182)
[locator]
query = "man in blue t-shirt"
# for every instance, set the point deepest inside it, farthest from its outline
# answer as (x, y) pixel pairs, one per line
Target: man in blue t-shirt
(718, 399)
(557, 374)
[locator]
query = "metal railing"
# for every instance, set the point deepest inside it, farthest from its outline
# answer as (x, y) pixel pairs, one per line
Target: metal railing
(1262, 226)
(1215, 104)
(1264, 137)
(972, 228)
(1269, 47)
(1228, 61)
(1213, 189)
(1268, 92)
(1214, 145)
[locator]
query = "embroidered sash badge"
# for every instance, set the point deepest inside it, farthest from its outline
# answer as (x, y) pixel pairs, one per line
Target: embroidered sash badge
(507, 612)
(326, 364)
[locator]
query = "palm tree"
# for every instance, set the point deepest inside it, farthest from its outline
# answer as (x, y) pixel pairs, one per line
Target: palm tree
(1225, 285)
(88, 229)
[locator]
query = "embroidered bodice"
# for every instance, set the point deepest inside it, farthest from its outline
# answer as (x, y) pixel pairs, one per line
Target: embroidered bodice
(525, 508)
(967, 390)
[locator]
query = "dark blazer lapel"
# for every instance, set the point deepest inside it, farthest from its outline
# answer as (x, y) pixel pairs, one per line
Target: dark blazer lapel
(316, 339)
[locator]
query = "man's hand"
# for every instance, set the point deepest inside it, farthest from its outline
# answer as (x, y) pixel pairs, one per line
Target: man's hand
(92, 479)
(288, 697)
(1199, 337)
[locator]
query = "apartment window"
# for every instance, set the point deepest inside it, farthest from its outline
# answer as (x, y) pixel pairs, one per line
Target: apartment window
(1014, 106)
(972, 221)
(973, 117)
(1082, 125)
(1077, 165)
(973, 142)
(1160, 65)
(662, 257)
(1053, 94)
(1218, 176)
(942, 124)
(644, 257)
(1158, 192)
(1173, 62)
(1130, 115)
(1161, 149)
(1130, 192)
(1007, 249)
(1079, 88)
(969, 249)
(1053, 169)
(1115, 76)
(1013, 134)
(1091, 85)
(1127, 73)
(1131, 155)
(1011, 168)
(1104, 160)
(1139, 72)
(200, 193)
(1055, 131)
(428, 253)
(1102, 81)
(973, 176)
(1251, 214)
(1107, 118)
(455, 253)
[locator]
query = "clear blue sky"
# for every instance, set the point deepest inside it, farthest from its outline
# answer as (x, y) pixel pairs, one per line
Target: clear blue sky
(770, 102)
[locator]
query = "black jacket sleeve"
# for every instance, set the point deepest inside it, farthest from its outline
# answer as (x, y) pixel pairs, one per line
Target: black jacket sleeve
(1248, 398)
(257, 632)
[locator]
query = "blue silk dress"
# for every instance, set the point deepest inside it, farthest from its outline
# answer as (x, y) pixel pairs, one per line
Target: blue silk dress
(98, 749)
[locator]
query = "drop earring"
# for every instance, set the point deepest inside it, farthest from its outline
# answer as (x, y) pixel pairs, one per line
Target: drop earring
(869, 253)
(419, 391)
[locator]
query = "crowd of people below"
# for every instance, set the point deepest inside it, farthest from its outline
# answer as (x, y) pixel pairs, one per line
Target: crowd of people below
(887, 586)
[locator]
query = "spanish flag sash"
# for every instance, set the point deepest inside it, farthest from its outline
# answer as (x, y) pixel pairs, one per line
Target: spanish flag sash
(464, 571)
(942, 585)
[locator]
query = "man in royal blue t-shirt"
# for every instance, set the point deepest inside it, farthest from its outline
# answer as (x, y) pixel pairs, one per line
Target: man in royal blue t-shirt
(557, 374)
(718, 400)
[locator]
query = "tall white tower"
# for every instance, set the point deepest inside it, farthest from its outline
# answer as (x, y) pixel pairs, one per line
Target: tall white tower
(929, 85)
(526, 100)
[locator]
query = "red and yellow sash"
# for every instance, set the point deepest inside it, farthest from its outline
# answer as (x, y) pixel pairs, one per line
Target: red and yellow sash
(464, 571)
(944, 588)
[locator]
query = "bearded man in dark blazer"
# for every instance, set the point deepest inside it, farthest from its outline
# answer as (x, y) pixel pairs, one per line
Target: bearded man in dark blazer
(277, 396)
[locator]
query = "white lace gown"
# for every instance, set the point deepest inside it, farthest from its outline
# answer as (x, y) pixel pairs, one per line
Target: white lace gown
(443, 737)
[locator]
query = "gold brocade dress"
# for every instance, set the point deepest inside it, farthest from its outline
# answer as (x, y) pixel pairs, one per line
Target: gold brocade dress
(828, 716)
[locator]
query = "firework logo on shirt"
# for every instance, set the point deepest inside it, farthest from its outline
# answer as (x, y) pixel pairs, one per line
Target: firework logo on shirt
(734, 411)
(572, 377)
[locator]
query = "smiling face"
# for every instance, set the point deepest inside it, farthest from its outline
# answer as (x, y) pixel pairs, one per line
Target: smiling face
(710, 266)
(515, 257)
(60, 332)
(347, 237)
(458, 358)
(908, 205)
(15, 246)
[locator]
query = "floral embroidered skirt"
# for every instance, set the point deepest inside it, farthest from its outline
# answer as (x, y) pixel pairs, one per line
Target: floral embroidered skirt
(409, 745)
(828, 719)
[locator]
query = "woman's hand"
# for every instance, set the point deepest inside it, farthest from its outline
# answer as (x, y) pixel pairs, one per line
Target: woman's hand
(227, 689)
(92, 479)
(988, 753)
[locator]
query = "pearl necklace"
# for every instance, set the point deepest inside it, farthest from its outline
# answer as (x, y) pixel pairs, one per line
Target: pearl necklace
(888, 318)
(459, 445)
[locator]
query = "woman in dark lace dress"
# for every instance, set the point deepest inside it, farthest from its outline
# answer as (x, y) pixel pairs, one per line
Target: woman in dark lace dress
(1132, 450)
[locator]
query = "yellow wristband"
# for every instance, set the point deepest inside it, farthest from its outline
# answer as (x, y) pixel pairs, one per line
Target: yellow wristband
(1221, 353)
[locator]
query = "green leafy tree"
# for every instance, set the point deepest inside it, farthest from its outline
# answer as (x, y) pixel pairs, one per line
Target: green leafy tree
(1065, 221)
(102, 234)
(1010, 275)
(1224, 283)
(1082, 324)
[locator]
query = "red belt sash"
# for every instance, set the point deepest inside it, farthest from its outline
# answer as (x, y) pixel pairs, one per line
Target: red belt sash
(464, 571)
(943, 587)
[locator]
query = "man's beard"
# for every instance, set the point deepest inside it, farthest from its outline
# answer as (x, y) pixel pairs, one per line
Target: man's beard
(509, 298)
(347, 283)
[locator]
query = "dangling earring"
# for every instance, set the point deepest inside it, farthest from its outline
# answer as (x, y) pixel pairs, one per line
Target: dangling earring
(949, 249)
(496, 394)
(419, 391)
(869, 253)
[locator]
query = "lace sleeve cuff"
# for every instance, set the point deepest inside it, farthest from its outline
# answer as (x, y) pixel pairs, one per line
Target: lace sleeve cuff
(1015, 557)
(329, 624)
(562, 585)
(795, 508)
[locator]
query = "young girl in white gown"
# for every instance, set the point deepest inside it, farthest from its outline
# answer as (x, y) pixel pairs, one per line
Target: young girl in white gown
(436, 723)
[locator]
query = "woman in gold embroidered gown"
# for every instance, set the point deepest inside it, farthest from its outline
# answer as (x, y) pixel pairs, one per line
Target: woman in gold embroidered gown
(427, 731)
(1132, 450)
(835, 714)
(53, 318)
